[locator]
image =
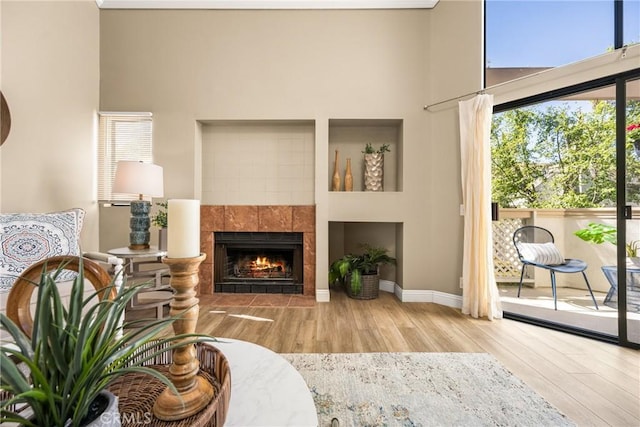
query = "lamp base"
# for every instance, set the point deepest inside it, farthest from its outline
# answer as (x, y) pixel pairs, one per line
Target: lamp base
(139, 224)
(138, 247)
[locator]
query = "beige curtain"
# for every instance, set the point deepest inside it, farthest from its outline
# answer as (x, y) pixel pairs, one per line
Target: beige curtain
(480, 295)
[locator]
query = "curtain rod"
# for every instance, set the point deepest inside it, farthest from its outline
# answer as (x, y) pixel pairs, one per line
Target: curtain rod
(622, 55)
(478, 92)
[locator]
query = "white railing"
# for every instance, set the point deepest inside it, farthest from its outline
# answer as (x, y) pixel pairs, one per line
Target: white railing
(563, 223)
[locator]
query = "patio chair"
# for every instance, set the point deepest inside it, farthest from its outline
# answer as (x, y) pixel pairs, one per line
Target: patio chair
(535, 247)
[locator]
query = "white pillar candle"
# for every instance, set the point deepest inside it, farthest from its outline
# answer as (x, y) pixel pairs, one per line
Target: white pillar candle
(183, 228)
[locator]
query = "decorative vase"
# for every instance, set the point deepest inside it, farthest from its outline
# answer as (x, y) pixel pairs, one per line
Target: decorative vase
(373, 172)
(348, 177)
(335, 186)
(162, 239)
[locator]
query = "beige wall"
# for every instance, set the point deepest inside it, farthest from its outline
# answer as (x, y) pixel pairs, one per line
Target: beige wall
(50, 77)
(188, 66)
(191, 66)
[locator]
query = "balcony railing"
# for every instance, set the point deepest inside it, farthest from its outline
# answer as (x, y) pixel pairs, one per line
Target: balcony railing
(563, 223)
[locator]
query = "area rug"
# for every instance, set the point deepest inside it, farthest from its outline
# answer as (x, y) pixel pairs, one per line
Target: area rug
(420, 389)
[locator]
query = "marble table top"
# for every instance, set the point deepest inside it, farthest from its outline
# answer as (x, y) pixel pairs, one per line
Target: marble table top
(266, 390)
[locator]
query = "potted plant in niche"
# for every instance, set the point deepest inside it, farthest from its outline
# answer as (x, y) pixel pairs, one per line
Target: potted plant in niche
(601, 233)
(374, 167)
(62, 371)
(360, 273)
(161, 220)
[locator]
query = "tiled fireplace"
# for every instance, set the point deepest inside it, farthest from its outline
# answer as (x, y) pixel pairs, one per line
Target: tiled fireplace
(280, 222)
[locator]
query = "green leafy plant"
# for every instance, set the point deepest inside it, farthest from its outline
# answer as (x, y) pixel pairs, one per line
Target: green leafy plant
(354, 266)
(601, 233)
(76, 351)
(161, 218)
(384, 148)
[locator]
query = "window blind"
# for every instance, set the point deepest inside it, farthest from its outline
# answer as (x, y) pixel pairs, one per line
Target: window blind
(122, 136)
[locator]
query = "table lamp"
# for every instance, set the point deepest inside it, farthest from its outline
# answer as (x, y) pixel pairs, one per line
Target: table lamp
(143, 179)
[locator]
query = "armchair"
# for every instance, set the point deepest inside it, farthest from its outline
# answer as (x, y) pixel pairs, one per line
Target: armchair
(27, 238)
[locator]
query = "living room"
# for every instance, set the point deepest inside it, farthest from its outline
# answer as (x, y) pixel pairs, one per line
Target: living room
(62, 62)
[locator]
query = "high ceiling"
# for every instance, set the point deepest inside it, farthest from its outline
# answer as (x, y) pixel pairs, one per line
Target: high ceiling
(266, 4)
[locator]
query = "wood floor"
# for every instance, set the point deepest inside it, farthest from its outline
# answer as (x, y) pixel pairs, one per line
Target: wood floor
(593, 383)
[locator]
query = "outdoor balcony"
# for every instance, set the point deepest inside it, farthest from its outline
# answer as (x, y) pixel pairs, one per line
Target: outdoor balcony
(575, 307)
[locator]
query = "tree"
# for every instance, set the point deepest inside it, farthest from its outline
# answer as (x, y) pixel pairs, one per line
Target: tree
(555, 155)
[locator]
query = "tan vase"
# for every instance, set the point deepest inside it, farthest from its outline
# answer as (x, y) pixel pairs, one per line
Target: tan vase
(373, 172)
(335, 185)
(348, 177)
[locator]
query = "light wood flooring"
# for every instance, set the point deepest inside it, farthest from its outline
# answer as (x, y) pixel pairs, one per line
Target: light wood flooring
(593, 383)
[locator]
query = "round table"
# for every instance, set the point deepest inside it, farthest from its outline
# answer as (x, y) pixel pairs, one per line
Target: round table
(266, 390)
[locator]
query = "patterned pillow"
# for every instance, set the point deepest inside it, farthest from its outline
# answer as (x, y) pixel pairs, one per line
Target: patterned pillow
(541, 253)
(26, 238)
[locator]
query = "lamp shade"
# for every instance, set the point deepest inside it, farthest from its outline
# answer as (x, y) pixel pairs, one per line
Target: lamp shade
(140, 178)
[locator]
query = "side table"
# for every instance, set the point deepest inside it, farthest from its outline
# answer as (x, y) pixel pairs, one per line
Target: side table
(146, 264)
(633, 287)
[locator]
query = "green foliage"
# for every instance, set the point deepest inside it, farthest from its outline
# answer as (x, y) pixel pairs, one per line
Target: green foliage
(356, 265)
(560, 157)
(76, 351)
(598, 233)
(601, 233)
(384, 148)
(161, 218)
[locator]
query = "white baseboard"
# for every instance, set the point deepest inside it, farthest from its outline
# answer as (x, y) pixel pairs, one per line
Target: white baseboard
(322, 295)
(437, 297)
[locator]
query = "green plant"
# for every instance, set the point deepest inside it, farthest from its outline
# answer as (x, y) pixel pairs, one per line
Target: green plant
(74, 352)
(354, 266)
(601, 233)
(384, 148)
(161, 218)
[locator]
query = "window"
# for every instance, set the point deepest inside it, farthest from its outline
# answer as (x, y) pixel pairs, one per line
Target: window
(527, 36)
(122, 136)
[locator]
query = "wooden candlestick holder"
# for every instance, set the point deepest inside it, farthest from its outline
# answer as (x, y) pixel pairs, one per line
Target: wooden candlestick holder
(194, 392)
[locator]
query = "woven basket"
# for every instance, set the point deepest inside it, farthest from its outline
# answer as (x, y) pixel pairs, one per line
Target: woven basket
(137, 393)
(369, 289)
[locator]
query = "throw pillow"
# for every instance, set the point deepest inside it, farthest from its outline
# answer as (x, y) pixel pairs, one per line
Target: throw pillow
(26, 238)
(541, 253)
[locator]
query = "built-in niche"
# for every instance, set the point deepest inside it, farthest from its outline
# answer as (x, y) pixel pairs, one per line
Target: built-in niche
(347, 237)
(350, 137)
(258, 162)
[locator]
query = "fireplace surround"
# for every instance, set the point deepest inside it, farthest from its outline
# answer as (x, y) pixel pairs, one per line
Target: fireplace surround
(258, 262)
(298, 219)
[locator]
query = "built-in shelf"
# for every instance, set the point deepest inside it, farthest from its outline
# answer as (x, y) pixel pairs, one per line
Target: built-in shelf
(347, 236)
(349, 138)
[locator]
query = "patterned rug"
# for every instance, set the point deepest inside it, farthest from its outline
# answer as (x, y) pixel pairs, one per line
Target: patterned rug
(421, 389)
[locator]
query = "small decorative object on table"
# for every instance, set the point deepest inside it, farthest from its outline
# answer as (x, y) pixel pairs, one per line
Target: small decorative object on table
(374, 167)
(161, 220)
(44, 382)
(194, 393)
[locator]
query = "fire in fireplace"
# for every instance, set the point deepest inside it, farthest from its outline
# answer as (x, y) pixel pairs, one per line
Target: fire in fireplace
(269, 262)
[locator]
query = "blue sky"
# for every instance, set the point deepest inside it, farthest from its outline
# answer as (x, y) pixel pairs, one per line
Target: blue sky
(542, 33)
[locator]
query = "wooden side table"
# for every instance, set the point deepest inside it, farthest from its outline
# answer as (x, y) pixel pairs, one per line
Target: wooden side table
(145, 265)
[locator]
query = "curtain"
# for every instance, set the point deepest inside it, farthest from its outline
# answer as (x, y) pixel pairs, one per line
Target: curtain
(480, 297)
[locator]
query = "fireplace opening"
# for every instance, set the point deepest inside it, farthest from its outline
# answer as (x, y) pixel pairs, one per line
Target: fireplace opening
(254, 262)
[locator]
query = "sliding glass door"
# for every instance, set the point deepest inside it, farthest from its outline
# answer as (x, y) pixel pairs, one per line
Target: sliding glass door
(625, 294)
